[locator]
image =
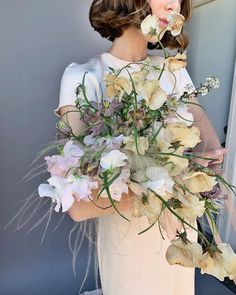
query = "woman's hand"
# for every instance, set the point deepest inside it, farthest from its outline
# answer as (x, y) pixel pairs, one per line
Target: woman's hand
(82, 210)
(217, 154)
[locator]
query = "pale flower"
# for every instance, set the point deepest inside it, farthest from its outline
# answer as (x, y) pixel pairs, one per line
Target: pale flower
(191, 207)
(177, 62)
(153, 94)
(159, 181)
(151, 208)
(111, 143)
(139, 76)
(60, 190)
(177, 164)
(163, 139)
(199, 182)
(82, 187)
(150, 27)
(113, 159)
(183, 254)
(176, 22)
(182, 115)
(72, 150)
(218, 264)
(117, 86)
(59, 165)
(186, 136)
(130, 145)
(119, 186)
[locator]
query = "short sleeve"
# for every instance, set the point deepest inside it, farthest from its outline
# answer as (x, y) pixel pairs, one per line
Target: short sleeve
(183, 81)
(71, 78)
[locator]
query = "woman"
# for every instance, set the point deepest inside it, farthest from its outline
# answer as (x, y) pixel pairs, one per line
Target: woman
(130, 263)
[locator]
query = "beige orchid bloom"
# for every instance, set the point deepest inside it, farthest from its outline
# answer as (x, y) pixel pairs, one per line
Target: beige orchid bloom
(176, 22)
(184, 254)
(191, 207)
(187, 136)
(199, 182)
(117, 86)
(130, 145)
(153, 94)
(177, 62)
(218, 264)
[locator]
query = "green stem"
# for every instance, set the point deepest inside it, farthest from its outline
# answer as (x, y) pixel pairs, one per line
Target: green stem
(179, 217)
(105, 178)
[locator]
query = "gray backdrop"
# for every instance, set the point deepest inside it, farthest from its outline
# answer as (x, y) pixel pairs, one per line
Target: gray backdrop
(38, 40)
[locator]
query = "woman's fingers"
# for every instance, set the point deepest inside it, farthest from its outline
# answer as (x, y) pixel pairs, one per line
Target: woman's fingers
(217, 155)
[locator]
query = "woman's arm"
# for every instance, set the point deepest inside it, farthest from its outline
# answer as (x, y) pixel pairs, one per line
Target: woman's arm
(210, 145)
(82, 210)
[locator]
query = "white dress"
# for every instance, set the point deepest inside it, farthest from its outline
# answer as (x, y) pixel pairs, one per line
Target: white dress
(129, 263)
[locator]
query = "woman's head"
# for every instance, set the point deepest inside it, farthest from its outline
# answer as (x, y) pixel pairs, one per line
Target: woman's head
(112, 17)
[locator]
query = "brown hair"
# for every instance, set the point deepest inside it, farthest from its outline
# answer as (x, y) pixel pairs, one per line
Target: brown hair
(111, 18)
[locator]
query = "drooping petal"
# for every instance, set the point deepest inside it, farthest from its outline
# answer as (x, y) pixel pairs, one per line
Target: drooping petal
(187, 255)
(46, 190)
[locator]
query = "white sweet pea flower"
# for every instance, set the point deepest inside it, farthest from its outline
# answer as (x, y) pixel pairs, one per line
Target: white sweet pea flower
(60, 190)
(176, 22)
(159, 181)
(83, 186)
(72, 150)
(113, 159)
(119, 186)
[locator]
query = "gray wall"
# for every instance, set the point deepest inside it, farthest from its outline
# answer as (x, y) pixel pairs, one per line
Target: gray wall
(38, 40)
(212, 51)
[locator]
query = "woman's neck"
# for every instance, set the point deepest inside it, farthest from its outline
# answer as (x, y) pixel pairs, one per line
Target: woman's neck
(131, 46)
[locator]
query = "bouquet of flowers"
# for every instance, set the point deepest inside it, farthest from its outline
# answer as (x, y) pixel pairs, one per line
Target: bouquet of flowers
(139, 138)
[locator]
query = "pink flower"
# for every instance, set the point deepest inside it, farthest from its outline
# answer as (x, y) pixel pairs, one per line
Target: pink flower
(59, 165)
